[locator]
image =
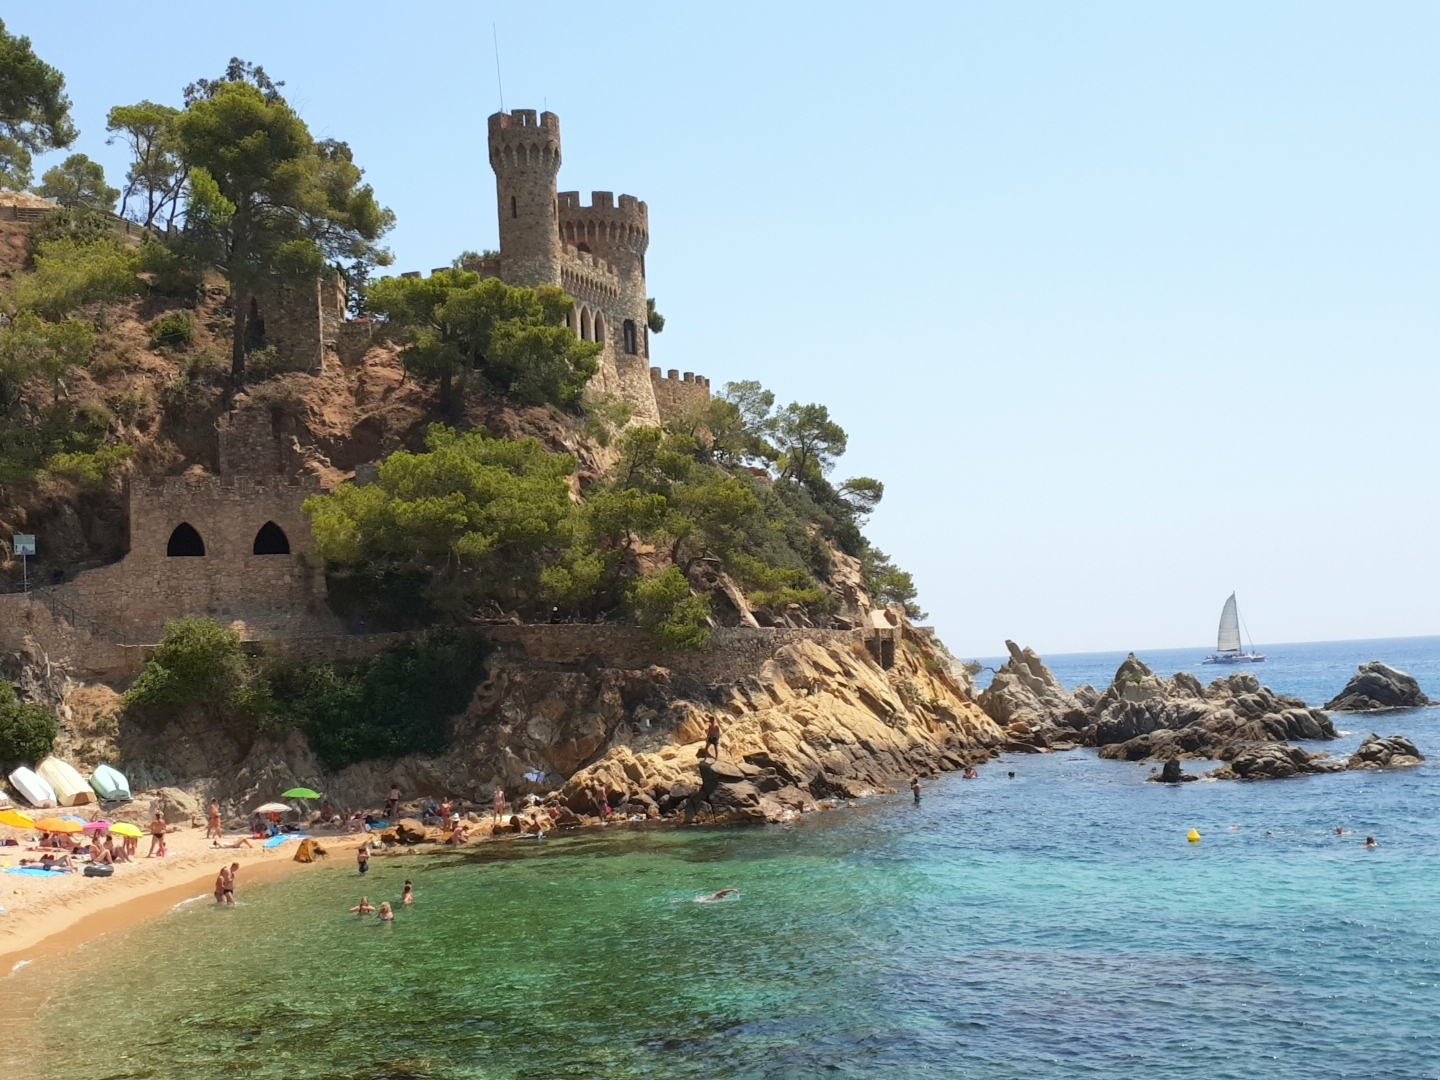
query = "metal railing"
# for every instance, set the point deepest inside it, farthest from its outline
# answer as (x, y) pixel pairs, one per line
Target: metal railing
(46, 597)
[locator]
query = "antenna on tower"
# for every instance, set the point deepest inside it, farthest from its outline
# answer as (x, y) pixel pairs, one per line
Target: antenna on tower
(495, 34)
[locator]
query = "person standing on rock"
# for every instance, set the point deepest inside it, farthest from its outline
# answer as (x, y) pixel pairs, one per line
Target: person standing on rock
(712, 739)
(214, 830)
(392, 802)
(915, 788)
(499, 804)
(602, 800)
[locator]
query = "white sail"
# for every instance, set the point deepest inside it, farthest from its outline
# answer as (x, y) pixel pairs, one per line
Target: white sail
(1229, 639)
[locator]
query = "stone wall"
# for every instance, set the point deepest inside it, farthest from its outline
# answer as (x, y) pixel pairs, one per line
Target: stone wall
(674, 395)
(732, 652)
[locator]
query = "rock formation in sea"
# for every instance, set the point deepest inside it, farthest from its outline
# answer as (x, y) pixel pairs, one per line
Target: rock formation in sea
(1378, 686)
(1378, 753)
(1033, 706)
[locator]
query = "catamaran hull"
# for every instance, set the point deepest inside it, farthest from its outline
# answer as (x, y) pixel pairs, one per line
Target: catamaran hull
(1247, 658)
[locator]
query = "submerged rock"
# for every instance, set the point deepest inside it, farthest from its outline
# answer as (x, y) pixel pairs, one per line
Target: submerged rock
(1378, 753)
(1378, 686)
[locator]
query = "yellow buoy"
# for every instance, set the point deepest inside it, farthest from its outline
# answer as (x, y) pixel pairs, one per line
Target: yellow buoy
(1193, 836)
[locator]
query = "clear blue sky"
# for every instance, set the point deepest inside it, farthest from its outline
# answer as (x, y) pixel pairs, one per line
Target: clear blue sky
(1129, 305)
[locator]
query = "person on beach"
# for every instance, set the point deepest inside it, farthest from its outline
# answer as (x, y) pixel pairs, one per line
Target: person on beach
(392, 802)
(459, 836)
(362, 857)
(499, 804)
(408, 896)
(446, 809)
(213, 829)
(602, 800)
(712, 739)
(230, 883)
(233, 844)
(915, 788)
(157, 837)
(220, 881)
(364, 907)
(387, 914)
(1370, 842)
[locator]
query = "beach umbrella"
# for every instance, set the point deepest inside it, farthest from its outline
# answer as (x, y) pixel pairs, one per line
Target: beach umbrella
(58, 824)
(300, 793)
(272, 808)
(97, 826)
(16, 820)
(124, 828)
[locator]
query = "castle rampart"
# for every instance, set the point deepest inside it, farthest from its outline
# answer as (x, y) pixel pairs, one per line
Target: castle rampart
(675, 396)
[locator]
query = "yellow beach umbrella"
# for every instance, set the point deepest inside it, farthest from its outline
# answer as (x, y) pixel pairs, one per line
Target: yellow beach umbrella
(15, 819)
(124, 828)
(59, 824)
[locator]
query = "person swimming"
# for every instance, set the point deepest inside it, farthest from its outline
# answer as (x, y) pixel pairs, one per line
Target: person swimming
(721, 895)
(364, 907)
(1370, 842)
(408, 895)
(386, 913)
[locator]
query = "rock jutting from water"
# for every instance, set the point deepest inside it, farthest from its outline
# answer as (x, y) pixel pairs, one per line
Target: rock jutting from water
(1378, 686)
(1033, 707)
(1377, 753)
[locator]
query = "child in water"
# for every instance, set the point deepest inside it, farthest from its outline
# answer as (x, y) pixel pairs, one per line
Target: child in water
(386, 914)
(364, 907)
(408, 896)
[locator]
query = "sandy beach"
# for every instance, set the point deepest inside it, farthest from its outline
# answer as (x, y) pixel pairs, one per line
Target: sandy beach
(51, 914)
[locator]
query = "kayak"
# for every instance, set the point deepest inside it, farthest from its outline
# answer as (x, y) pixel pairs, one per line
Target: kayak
(71, 789)
(110, 784)
(32, 788)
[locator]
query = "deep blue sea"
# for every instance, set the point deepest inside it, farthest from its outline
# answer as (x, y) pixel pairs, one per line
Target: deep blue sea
(1053, 924)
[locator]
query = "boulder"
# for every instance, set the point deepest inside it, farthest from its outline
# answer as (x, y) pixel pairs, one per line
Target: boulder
(1274, 761)
(1172, 774)
(410, 831)
(1378, 753)
(1378, 686)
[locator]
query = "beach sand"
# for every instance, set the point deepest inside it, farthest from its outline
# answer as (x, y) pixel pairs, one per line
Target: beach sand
(46, 915)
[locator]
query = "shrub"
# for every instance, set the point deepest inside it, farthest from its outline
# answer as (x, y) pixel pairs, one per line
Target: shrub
(70, 275)
(400, 701)
(175, 329)
(172, 270)
(664, 605)
(27, 732)
(198, 662)
(92, 469)
(80, 224)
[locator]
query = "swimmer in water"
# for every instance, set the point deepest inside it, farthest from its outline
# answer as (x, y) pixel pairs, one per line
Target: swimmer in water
(1370, 842)
(364, 907)
(721, 895)
(1339, 831)
(408, 896)
(970, 773)
(1011, 775)
(915, 787)
(386, 914)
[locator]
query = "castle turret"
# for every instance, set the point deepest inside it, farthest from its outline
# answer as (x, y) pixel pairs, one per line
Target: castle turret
(619, 235)
(525, 154)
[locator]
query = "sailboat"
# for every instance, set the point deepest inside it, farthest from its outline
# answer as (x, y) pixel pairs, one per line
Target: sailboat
(1227, 646)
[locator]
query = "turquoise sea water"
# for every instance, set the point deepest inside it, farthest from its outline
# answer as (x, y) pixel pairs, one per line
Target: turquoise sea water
(1054, 924)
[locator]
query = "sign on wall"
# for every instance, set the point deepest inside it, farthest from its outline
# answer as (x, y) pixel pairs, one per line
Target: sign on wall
(25, 544)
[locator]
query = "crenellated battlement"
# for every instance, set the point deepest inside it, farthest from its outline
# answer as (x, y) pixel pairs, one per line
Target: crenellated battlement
(603, 227)
(210, 486)
(673, 375)
(525, 118)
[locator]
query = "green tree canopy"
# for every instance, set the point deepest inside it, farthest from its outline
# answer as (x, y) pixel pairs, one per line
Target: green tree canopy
(484, 517)
(78, 181)
(458, 327)
(27, 732)
(157, 173)
(34, 111)
(271, 201)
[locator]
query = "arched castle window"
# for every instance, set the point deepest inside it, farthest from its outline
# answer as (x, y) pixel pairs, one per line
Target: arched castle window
(271, 540)
(584, 324)
(631, 345)
(582, 246)
(185, 541)
(599, 327)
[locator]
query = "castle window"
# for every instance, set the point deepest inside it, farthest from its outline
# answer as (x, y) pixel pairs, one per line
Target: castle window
(185, 541)
(514, 209)
(631, 345)
(271, 540)
(582, 246)
(584, 324)
(599, 327)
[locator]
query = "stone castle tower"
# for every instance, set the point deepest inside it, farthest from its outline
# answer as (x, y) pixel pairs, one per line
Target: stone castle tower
(595, 253)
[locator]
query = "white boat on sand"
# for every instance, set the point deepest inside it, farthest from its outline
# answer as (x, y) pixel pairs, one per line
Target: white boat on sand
(1228, 649)
(32, 788)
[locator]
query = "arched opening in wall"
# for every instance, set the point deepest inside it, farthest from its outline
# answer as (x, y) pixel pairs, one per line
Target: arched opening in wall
(584, 324)
(631, 345)
(185, 542)
(582, 246)
(271, 540)
(599, 327)
(514, 208)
